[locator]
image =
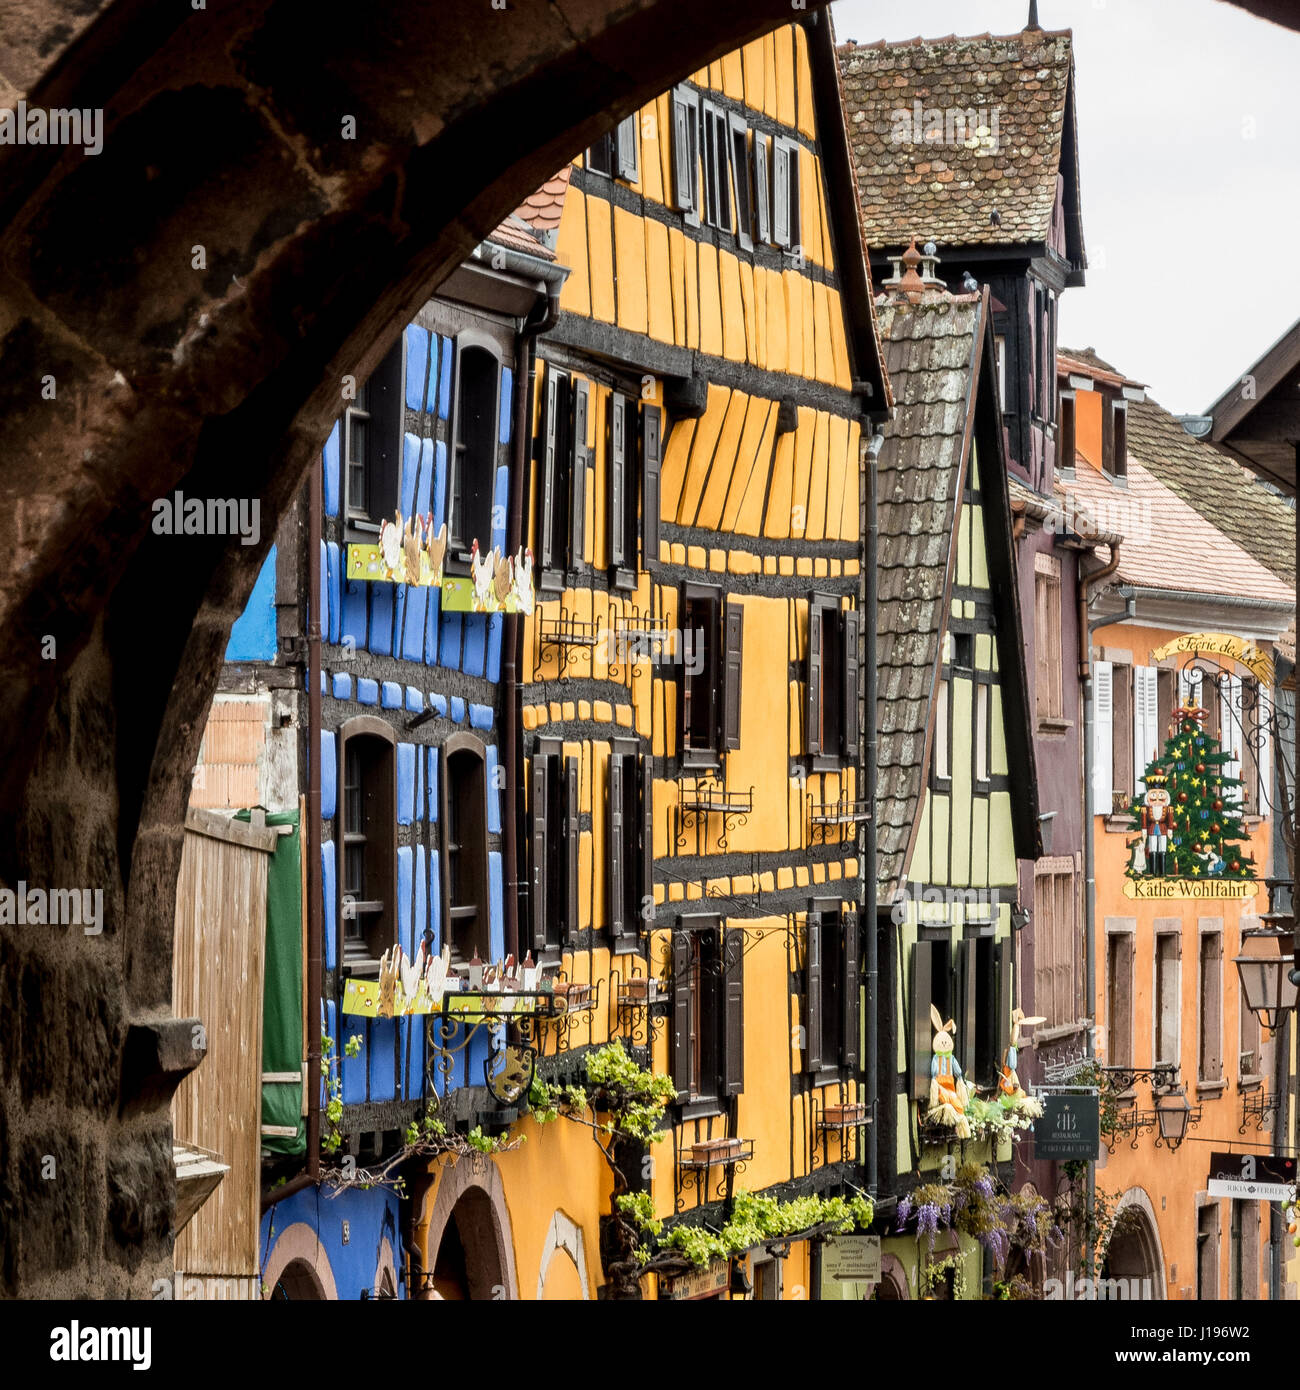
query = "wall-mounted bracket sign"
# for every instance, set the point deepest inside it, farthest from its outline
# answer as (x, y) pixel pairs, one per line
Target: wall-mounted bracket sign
(1069, 1128)
(410, 553)
(1244, 653)
(1252, 1177)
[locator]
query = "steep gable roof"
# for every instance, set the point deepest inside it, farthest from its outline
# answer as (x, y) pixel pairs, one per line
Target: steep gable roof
(1020, 89)
(935, 353)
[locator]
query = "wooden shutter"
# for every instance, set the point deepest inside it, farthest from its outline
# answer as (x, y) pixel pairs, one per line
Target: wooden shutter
(1210, 1066)
(1103, 712)
(762, 195)
(739, 137)
(967, 1005)
(852, 621)
(685, 170)
(733, 1058)
(578, 514)
(812, 1053)
(628, 165)
(550, 433)
(1264, 754)
(615, 867)
(537, 815)
(922, 1031)
(683, 986)
(1146, 722)
(647, 844)
(852, 991)
(571, 808)
(651, 457)
(1235, 730)
(813, 689)
(733, 661)
(780, 193)
(617, 482)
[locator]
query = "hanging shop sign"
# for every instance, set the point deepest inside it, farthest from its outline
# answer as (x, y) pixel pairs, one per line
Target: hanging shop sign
(1252, 1177)
(1069, 1128)
(1246, 654)
(710, 1282)
(410, 553)
(850, 1267)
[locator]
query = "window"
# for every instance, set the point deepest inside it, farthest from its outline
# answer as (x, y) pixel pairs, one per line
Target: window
(831, 688)
(625, 446)
(629, 845)
(564, 459)
(717, 166)
(741, 166)
(1119, 998)
(1058, 955)
(1250, 1064)
(785, 194)
(1050, 693)
(1167, 997)
(1209, 1063)
(765, 1275)
(942, 770)
(367, 829)
(1122, 752)
(1207, 1250)
(709, 672)
(1114, 437)
(831, 994)
(616, 152)
(1000, 353)
(708, 1012)
(464, 848)
(971, 984)
(553, 817)
(1244, 1239)
(474, 449)
(1065, 454)
(1249, 727)
(372, 444)
(686, 153)
(762, 191)
(982, 732)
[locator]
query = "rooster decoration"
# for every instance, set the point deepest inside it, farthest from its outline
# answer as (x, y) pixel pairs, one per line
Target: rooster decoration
(411, 553)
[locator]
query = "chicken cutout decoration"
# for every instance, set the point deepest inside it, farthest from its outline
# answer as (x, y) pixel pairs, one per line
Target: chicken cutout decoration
(1011, 1095)
(496, 583)
(948, 1094)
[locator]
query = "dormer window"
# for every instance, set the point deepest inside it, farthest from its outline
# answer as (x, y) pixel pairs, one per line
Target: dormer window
(1114, 438)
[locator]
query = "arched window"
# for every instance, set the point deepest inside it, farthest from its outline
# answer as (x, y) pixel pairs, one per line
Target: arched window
(464, 845)
(474, 449)
(367, 841)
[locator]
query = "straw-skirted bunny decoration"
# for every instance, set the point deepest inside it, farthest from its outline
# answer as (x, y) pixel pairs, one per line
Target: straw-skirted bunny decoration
(1011, 1095)
(948, 1094)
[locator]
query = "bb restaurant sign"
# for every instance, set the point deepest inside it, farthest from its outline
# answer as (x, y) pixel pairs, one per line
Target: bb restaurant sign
(1069, 1128)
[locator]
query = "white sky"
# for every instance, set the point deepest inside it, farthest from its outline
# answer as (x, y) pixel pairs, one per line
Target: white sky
(1189, 167)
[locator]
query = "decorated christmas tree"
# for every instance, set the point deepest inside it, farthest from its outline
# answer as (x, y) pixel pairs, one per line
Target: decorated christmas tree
(1190, 815)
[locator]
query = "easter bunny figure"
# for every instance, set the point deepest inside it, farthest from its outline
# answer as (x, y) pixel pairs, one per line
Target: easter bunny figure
(1011, 1095)
(948, 1094)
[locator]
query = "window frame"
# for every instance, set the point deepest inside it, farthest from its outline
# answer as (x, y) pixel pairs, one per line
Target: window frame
(1120, 940)
(741, 166)
(685, 106)
(832, 675)
(373, 729)
(1049, 680)
(458, 544)
(455, 802)
(1209, 1020)
(385, 417)
(1158, 1010)
(708, 1003)
(720, 676)
(629, 844)
(831, 990)
(554, 812)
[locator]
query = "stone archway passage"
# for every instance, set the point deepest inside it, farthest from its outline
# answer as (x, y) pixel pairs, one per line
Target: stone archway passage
(467, 1237)
(1134, 1253)
(274, 194)
(298, 1267)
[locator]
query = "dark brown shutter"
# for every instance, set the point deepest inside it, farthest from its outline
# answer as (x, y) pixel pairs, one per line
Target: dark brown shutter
(550, 432)
(733, 1060)
(813, 692)
(618, 546)
(645, 901)
(849, 723)
(578, 516)
(683, 985)
(651, 456)
(684, 711)
(1002, 1024)
(922, 1029)
(615, 867)
(967, 1006)
(571, 810)
(812, 1054)
(852, 991)
(762, 197)
(780, 193)
(733, 662)
(627, 152)
(537, 816)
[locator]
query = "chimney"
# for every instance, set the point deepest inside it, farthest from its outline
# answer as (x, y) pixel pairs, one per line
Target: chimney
(909, 284)
(1033, 16)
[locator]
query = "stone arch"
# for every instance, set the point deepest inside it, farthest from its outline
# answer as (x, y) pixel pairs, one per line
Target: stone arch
(385, 1270)
(298, 1262)
(469, 1209)
(893, 1286)
(1135, 1250)
(564, 1236)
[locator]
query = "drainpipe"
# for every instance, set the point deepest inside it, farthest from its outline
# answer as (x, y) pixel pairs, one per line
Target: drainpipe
(511, 750)
(867, 871)
(1087, 583)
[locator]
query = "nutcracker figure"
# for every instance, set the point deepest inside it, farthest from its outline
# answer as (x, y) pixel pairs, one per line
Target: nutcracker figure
(1157, 821)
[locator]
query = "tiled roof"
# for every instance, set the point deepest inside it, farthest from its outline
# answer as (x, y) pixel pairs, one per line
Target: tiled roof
(1168, 544)
(541, 210)
(946, 190)
(1221, 490)
(516, 235)
(928, 352)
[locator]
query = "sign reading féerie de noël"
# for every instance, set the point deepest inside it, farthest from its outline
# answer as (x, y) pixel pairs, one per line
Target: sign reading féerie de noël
(1252, 1177)
(1069, 1128)
(1244, 653)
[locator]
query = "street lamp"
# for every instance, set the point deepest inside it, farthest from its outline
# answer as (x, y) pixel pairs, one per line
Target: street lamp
(1172, 1114)
(1266, 977)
